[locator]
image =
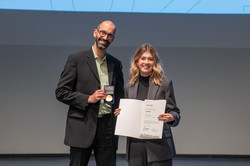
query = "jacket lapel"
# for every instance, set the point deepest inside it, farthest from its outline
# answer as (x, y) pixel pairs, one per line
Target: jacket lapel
(92, 64)
(111, 67)
(153, 88)
(133, 91)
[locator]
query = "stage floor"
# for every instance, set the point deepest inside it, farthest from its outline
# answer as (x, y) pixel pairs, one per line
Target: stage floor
(178, 161)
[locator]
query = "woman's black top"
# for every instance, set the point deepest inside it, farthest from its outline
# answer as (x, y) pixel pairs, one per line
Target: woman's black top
(143, 88)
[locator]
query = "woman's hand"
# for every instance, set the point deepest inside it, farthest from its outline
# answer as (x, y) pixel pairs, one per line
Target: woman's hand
(166, 117)
(117, 111)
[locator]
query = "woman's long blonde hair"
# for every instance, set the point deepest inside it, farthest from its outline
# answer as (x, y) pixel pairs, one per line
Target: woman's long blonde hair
(157, 73)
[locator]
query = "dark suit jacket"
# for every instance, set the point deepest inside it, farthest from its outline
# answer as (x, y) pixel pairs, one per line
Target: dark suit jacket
(78, 81)
(158, 149)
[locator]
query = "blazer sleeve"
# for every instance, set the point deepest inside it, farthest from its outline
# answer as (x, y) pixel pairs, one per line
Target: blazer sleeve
(171, 104)
(65, 91)
(119, 85)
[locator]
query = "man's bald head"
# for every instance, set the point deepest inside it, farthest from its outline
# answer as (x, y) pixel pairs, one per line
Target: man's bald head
(107, 23)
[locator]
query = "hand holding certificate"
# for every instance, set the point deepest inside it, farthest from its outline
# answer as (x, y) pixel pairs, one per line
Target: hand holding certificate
(139, 119)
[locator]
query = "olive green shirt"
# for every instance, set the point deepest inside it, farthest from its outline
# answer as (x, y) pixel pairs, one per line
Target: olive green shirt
(102, 68)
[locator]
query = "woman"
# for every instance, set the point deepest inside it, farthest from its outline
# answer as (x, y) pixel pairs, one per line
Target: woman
(147, 82)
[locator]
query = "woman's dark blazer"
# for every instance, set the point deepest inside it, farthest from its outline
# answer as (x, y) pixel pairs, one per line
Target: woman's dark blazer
(158, 149)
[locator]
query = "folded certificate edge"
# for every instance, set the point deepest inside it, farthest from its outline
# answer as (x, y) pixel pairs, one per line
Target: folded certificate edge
(145, 136)
(141, 136)
(127, 135)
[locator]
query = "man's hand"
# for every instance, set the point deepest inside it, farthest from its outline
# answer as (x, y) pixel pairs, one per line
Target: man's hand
(98, 95)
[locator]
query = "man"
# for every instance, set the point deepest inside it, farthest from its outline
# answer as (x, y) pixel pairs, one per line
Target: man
(91, 121)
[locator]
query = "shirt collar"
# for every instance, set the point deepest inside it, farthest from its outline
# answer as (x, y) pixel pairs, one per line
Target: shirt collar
(95, 55)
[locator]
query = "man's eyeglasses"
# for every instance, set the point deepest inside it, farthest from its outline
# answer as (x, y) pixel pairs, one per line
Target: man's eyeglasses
(103, 33)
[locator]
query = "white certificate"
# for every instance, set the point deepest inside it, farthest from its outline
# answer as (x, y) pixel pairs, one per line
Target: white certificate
(139, 119)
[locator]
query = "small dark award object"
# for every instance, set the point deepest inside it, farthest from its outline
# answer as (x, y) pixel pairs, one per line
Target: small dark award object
(110, 94)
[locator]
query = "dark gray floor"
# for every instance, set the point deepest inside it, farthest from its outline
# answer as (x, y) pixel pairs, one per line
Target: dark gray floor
(178, 161)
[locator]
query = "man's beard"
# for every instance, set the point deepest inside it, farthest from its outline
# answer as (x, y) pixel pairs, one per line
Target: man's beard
(101, 45)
